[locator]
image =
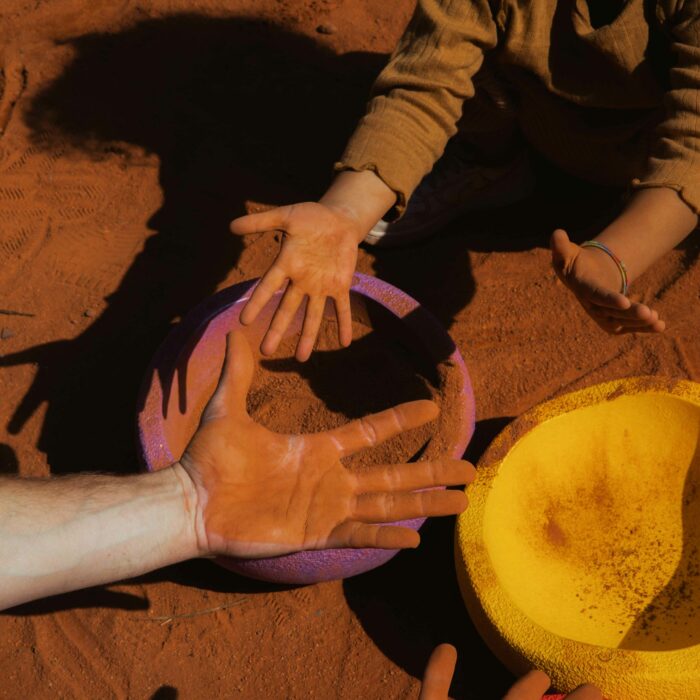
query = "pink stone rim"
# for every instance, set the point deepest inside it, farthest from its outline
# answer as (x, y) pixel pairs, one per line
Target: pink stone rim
(311, 566)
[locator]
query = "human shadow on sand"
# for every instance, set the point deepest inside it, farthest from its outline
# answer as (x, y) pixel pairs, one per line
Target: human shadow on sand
(235, 109)
(165, 692)
(8, 460)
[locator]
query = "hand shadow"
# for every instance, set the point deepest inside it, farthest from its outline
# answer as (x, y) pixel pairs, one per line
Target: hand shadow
(8, 460)
(374, 373)
(165, 692)
(235, 109)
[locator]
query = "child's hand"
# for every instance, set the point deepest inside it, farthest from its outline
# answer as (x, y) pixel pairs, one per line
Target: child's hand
(594, 279)
(441, 666)
(317, 260)
(533, 684)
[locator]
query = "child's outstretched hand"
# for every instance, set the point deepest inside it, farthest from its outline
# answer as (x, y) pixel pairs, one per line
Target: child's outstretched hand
(255, 493)
(317, 261)
(440, 669)
(594, 279)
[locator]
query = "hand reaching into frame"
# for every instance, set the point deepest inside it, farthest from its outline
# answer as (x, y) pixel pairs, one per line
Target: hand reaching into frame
(441, 666)
(257, 493)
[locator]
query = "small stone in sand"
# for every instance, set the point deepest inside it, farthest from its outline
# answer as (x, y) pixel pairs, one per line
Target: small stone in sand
(6, 333)
(326, 29)
(88, 313)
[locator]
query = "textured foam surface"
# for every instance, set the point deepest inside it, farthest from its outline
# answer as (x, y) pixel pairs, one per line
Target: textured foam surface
(579, 551)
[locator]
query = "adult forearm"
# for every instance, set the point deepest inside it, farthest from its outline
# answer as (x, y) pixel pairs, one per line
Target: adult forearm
(62, 534)
(654, 221)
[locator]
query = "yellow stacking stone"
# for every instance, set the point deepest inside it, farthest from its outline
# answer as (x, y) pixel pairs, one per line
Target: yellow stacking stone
(580, 551)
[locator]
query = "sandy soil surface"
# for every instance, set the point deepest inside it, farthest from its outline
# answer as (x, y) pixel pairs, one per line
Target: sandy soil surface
(140, 129)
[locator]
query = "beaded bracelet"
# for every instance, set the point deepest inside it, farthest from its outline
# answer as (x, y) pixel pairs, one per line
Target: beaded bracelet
(620, 265)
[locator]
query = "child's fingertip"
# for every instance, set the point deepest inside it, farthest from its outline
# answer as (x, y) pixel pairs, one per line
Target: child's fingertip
(303, 352)
(268, 346)
(247, 315)
(623, 302)
(640, 312)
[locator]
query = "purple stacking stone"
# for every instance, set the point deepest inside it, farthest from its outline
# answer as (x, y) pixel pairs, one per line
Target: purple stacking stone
(184, 371)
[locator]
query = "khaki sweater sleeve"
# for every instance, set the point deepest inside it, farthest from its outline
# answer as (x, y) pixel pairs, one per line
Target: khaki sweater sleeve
(417, 99)
(674, 159)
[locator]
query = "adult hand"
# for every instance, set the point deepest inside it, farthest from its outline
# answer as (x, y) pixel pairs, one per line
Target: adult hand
(316, 260)
(440, 669)
(257, 493)
(594, 279)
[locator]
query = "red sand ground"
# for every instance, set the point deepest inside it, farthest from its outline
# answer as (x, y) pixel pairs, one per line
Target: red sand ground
(124, 158)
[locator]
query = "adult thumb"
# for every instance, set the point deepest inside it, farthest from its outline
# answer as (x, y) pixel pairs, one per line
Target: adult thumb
(235, 379)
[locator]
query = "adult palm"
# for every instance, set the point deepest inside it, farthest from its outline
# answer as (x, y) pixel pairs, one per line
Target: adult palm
(260, 493)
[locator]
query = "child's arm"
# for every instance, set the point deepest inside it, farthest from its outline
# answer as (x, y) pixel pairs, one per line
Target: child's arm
(416, 103)
(317, 256)
(654, 222)
(664, 209)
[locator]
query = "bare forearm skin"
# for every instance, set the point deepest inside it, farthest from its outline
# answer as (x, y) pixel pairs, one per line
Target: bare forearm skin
(653, 223)
(63, 534)
(361, 195)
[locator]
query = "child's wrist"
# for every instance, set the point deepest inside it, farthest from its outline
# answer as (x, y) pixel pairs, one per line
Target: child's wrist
(356, 229)
(619, 264)
(607, 271)
(361, 197)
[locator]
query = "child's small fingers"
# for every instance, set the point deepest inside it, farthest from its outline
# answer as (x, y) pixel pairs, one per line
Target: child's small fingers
(636, 312)
(269, 285)
(438, 673)
(585, 692)
(648, 320)
(530, 687)
(606, 324)
(630, 322)
(309, 332)
(283, 317)
(344, 314)
(616, 327)
(657, 327)
(600, 296)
